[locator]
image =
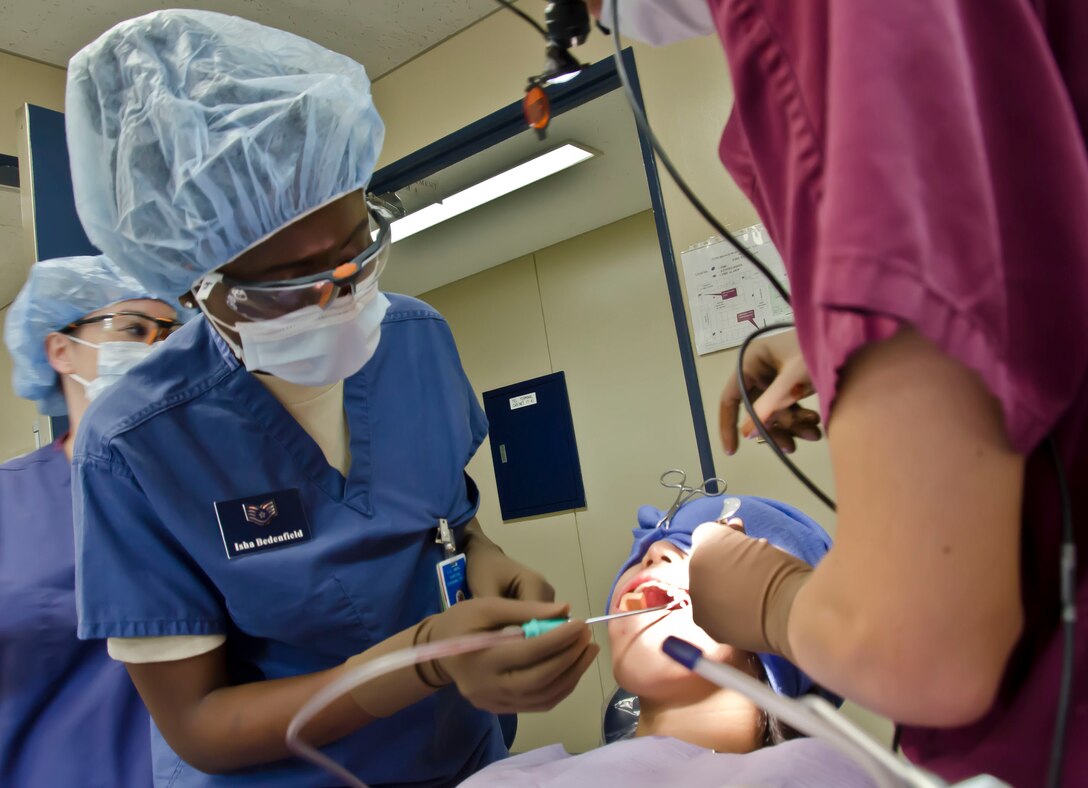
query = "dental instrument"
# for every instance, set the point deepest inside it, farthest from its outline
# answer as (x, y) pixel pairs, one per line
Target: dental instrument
(538, 627)
(676, 479)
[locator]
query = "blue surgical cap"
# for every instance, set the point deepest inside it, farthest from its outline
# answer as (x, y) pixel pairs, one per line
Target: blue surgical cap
(56, 293)
(194, 136)
(780, 524)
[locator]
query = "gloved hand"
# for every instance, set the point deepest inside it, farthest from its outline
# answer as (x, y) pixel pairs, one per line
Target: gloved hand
(742, 588)
(529, 675)
(492, 573)
(777, 378)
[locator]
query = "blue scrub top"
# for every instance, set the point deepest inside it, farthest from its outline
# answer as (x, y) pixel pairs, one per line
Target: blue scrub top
(69, 714)
(191, 427)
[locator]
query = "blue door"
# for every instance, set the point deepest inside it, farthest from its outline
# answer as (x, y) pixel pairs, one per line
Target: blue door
(533, 448)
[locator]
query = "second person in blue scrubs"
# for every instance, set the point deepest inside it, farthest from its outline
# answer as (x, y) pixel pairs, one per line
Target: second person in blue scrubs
(260, 512)
(69, 715)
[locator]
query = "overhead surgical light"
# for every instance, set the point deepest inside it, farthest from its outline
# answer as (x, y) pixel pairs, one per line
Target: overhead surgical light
(536, 169)
(566, 25)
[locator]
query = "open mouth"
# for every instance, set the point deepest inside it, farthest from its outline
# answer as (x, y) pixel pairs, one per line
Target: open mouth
(648, 593)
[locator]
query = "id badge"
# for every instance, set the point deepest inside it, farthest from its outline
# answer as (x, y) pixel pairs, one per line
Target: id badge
(451, 581)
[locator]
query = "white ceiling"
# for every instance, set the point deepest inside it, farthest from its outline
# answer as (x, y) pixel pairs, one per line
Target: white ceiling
(380, 34)
(597, 192)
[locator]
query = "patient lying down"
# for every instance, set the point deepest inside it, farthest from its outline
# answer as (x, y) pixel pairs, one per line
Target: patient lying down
(690, 732)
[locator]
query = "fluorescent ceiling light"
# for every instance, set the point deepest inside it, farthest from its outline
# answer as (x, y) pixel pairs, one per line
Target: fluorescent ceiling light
(493, 188)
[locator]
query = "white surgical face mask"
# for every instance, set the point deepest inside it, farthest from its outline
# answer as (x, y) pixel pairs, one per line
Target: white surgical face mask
(114, 360)
(311, 346)
(660, 22)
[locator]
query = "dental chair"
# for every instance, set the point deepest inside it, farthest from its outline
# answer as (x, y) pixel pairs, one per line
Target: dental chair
(620, 716)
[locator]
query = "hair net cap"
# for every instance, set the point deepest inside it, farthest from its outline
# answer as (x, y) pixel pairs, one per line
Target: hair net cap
(56, 293)
(780, 524)
(194, 135)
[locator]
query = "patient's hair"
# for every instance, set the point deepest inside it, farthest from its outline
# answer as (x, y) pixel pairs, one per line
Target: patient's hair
(774, 730)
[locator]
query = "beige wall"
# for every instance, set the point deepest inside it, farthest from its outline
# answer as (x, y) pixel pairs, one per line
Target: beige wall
(688, 97)
(561, 309)
(25, 81)
(21, 82)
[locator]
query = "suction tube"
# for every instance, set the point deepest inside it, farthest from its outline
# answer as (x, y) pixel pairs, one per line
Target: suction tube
(810, 715)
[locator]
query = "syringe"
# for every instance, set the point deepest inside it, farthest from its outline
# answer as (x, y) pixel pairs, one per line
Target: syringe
(539, 626)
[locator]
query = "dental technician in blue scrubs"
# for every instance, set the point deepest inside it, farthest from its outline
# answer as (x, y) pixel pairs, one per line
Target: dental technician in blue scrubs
(69, 715)
(275, 496)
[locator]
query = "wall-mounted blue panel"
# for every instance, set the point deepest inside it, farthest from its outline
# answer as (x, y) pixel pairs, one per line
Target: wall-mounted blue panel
(533, 448)
(57, 230)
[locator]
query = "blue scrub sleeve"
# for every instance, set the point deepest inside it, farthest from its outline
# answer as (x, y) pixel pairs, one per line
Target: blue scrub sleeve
(133, 578)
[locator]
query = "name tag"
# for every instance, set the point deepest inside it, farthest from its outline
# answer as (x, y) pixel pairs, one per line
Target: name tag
(262, 522)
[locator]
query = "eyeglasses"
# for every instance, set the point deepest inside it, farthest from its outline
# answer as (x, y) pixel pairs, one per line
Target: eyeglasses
(124, 326)
(268, 300)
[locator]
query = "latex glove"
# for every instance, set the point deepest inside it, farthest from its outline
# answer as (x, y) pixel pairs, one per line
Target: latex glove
(742, 588)
(777, 378)
(522, 676)
(492, 573)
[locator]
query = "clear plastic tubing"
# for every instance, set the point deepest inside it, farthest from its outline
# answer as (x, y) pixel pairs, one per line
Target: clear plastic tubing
(372, 670)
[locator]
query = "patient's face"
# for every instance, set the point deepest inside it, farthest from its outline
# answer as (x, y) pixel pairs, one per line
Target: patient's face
(638, 663)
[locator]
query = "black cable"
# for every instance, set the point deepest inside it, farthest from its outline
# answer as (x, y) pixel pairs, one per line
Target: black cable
(811, 485)
(1068, 617)
(644, 127)
(510, 6)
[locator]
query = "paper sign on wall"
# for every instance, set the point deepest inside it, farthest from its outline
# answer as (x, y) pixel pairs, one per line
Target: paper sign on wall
(523, 401)
(727, 296)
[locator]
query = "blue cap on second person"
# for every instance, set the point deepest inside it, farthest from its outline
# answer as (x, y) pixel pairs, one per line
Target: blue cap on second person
(780, 524)
(194, 135)
(58, 292)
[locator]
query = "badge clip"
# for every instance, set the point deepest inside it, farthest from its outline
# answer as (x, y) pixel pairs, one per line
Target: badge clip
(452, 586)
(445, 538)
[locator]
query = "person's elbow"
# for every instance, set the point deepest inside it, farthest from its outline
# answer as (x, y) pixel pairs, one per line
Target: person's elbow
(202, 744)
(942, 677)
(204, 758)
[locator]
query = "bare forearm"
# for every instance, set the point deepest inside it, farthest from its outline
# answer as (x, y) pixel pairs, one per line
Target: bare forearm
(916, 609)
(246, 725)
(219, 727)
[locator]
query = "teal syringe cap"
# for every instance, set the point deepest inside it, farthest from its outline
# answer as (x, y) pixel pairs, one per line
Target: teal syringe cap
(538, 627)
